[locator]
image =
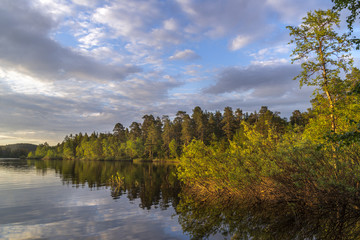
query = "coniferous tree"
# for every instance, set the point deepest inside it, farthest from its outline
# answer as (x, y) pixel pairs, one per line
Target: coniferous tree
(149, 120)
(200, 123)
(167, 135)
(238, 117)
(177, 126)
(119, 132)
(135, 131)
(187, 130)
(228, 122)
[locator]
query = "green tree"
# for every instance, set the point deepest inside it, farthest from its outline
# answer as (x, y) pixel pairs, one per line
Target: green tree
(354, 7)
(238, 117)
(228, 122)
(135, 130)
(298, 118)
(216, 125)
(153, 140)
(149, 120)
(267, 119)
(119, 132)
(174, 149)
(69, 148)
(41, 150)
(167, 135)
(200, 123)
(324, 56)
(177, 126)
(187, 129)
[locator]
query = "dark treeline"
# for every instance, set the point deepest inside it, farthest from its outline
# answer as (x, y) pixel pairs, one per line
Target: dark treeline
(163, 138)
(16, 150)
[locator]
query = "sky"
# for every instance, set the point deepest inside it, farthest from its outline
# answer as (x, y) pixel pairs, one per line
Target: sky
(70, 66)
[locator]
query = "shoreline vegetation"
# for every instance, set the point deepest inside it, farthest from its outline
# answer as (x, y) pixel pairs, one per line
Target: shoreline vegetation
(313, 162)
(312, 159)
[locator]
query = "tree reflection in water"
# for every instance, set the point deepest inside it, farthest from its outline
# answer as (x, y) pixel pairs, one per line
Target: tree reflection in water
(154, 184)
(337, 219)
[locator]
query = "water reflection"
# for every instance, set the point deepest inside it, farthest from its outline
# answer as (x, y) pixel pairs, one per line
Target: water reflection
(336, 219)
(14, 163)
(154, 184)
(35, 204)
(30, 201)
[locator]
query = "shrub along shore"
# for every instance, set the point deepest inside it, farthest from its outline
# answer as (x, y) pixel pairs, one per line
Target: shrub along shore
(314, 161)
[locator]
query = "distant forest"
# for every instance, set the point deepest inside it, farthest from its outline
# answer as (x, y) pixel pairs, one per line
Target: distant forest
(16, 150)
(163, 138)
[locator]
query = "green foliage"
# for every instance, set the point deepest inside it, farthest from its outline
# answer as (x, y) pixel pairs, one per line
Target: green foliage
(116, 180)
(271, 166)
(324, 56)
(237, 168)
(174, 149)
(229, 123)
(313, 158)
(353, 6)
(161, 139)
(318, 44)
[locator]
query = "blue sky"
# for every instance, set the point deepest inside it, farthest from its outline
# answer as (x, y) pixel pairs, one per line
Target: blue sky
(69, 66)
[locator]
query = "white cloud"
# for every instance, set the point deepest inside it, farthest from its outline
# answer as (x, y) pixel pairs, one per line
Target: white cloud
(92, 38)
(21, 83)
(193, 70)
(271, 62)
(239, 42)
(161, 37)
(187, 54)
(141, 27)
(170, 24)
(25, 47)
(56, 9)
(129, 19)
(86, 3)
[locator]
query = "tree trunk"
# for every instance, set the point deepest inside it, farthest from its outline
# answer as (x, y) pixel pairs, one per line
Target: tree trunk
(326, 89)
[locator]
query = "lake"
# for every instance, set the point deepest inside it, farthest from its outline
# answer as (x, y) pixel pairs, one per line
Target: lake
(52, 199)
(71, 199)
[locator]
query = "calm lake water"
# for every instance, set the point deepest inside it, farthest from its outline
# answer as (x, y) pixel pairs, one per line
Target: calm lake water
(70, 200)
(73, 200)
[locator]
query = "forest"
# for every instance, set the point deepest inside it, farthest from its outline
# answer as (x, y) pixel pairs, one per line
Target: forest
(16, 150)
(312, 157)
(164, 138)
